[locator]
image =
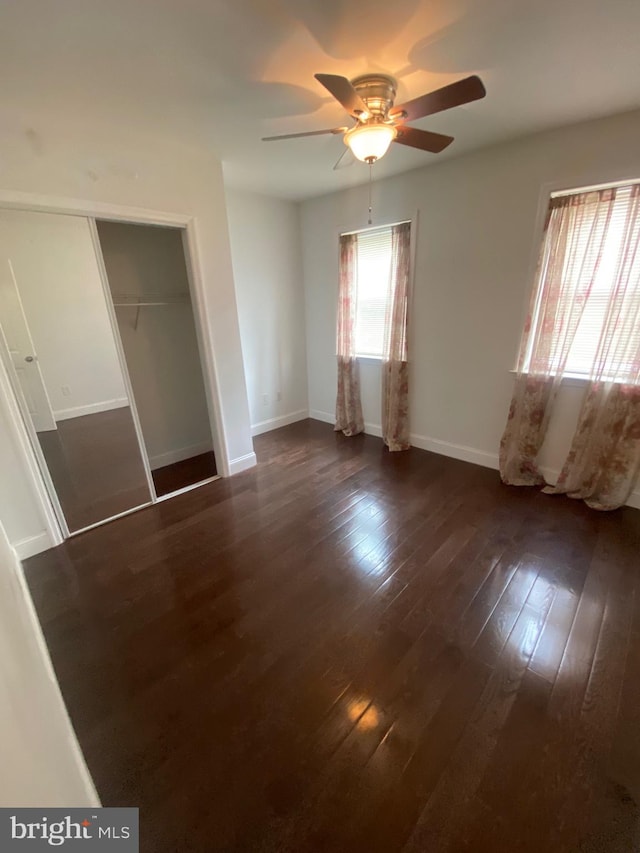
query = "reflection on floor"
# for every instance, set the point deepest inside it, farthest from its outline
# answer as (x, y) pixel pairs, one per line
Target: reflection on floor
(95, 465)
(345, 649)
(185, 473)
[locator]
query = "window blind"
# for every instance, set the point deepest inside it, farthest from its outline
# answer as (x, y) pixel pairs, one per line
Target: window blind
(373, 291)
(583, 350)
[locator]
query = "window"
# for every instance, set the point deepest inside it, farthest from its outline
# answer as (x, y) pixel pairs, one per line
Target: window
(589, 280)
(373, 306)
(373, 252)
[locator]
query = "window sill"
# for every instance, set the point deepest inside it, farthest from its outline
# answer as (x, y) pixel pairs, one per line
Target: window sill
(570, 379)
(370, 359)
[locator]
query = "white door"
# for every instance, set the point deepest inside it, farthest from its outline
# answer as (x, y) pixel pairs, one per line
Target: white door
(17, 338)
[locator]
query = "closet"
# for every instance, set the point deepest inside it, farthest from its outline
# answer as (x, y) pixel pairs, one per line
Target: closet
(99, 340)
(149, 286)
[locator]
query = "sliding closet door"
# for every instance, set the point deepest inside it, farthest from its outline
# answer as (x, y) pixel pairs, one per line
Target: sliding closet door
(58, 346)
(148, 280)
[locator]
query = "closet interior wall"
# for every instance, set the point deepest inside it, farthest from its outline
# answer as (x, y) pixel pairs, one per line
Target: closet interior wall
(148, 281)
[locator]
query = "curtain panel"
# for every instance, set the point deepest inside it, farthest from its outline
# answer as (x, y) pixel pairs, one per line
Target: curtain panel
(603, 461)
(566, 271)
(349, 419)
(395, 367)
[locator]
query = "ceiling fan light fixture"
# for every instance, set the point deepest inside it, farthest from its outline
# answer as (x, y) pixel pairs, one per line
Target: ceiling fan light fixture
(370, 142)
(370, 100)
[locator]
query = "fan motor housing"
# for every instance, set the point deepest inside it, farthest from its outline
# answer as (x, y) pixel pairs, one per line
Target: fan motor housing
(378, 91)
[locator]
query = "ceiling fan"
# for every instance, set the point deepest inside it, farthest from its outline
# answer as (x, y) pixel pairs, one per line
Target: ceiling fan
(369, 99)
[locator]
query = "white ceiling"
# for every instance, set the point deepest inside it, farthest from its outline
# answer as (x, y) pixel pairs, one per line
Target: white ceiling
(227, 72)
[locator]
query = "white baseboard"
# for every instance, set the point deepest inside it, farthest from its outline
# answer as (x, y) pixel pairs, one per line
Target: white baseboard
(317, 415)
(458, 451)
(373, 429)
(172, 456)
(550, 474)
(242, 463)
(32, 545)
(634, 499)
(276, 423)
(455, 451)
(90, 409)
(370, 429)
(444, 448)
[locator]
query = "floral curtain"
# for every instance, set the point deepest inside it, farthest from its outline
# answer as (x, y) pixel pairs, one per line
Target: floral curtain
(349, 419)
(395, 369)
(575, 232)
(604, 460)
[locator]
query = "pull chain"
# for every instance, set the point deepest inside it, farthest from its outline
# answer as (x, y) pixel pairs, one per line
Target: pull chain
(370, 184)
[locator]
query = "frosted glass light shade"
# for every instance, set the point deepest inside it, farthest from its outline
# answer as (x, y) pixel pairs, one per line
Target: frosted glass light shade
(370, 142)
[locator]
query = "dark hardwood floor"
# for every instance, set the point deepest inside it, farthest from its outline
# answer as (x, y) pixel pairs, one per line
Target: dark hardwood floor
(95, 465)
(350, 650)
(170, 478)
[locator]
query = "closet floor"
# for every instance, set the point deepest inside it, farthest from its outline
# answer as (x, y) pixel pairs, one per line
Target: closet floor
(345, 649)
(95, 464)
(185, 473)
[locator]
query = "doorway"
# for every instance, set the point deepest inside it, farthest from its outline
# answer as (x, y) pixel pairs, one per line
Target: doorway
(66, 346)
(149, 286)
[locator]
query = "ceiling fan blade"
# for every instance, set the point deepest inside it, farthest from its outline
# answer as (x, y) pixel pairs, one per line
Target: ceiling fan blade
(462, 92)
(347, 158)
(308, 133)
(423, 139)
(343, 91)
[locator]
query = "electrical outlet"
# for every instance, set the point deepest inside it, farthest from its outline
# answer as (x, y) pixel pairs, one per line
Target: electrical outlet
(265, 399)
(279, 396)
(66, 391)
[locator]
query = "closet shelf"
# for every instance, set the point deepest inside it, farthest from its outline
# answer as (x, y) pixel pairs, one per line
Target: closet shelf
(132, 300)
(137, 301)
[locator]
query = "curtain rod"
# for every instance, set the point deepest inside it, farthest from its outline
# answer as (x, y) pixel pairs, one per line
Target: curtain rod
(375, 227)
(577, 190)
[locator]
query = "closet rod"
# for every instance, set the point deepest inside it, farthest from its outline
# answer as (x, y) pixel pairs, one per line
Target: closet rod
(136, 300)
(142, 304)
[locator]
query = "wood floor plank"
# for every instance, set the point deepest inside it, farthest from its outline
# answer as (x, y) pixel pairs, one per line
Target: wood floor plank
(351, 649)
(437, 828)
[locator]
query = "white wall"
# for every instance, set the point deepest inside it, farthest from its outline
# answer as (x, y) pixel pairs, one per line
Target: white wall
(478, 237)
(40, 758)
(159, 341)
(267, 269)
(57, 274)
(50, 155)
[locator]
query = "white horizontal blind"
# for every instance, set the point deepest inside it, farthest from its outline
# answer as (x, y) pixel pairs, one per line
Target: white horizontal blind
(373, 291)
(583, 350)
(582, 354)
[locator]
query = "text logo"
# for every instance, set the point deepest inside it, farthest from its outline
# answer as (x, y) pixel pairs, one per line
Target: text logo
(99, 829)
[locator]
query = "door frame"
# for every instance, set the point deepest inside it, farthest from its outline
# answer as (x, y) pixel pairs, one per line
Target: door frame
(36, 203)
